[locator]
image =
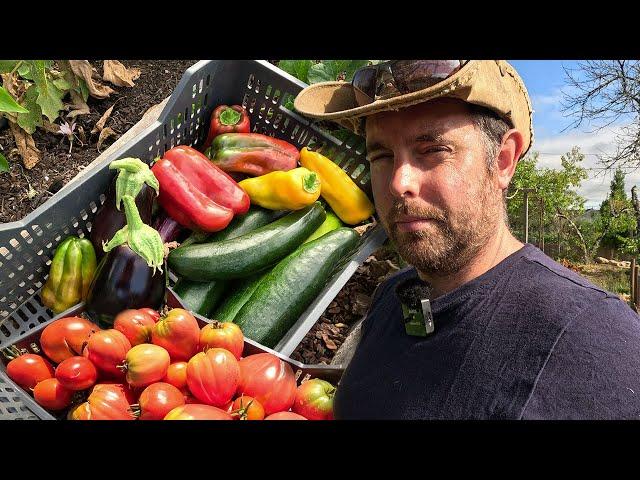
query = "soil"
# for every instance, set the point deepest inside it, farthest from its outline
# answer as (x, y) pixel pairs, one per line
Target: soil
(22, 190)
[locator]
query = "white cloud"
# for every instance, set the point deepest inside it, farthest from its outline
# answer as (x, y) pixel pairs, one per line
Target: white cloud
(596, 187)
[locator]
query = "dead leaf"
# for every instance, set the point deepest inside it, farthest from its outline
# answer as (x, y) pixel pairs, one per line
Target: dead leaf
(78, 107)
(104, 134)
(121, 76)
(13, 85)
(50, 127)
(83, 69)
(26, 146)
(103, 119)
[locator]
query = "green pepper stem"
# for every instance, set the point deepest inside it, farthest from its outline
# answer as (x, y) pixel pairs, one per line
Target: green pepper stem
(229, 117)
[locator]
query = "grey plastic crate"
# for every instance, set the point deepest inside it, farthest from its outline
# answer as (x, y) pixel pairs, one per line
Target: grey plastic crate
(27, 246)
(17, 404)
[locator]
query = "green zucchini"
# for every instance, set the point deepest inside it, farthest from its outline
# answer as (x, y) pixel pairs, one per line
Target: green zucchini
(330, 223)
(256, 217)
(250, 253)
(288, 290)
(239, 292)
(200, 297)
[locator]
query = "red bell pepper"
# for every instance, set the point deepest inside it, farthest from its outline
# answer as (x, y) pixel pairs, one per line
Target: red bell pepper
(196, 193)
(225, 119)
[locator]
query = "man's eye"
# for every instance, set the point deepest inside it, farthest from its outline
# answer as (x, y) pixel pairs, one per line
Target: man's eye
(433, 149)
(378, 157)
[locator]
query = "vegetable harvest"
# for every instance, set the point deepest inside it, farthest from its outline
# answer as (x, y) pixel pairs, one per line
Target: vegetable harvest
(225, 119)
(290, 190)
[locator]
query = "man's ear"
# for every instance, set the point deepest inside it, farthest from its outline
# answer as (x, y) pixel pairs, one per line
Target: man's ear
(510, 151)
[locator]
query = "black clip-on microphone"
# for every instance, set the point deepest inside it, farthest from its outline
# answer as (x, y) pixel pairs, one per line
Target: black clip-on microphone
(416, 307)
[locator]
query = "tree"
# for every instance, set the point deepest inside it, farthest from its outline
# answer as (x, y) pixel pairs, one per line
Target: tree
(603, 92)
(617, 215)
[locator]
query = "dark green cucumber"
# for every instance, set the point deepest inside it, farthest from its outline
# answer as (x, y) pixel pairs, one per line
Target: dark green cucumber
(200, 297)
(256, 217)
(288, 290)
(249, 253)
(238, 294)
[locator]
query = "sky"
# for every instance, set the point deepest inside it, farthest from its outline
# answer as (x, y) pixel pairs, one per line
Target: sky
(545, 81)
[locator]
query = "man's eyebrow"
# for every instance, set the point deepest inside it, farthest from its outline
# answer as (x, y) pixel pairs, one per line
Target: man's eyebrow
(432, 136)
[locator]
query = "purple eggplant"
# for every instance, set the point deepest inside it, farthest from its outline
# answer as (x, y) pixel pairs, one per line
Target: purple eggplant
(135, 179)
(167, 227)
(133, 272)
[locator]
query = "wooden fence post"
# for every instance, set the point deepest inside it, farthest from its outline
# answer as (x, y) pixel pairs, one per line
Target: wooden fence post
(635, 274)
(633, 277)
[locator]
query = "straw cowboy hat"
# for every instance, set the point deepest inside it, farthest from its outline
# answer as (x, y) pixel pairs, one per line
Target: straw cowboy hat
(493, 84)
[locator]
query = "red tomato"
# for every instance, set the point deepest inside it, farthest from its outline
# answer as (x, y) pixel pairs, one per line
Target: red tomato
(52, 395)
(135, 325)
(107, 401)
(77, 373)
(155, 316)
(285, 416)
(107, 350)
(225, 335)
(189, 399)
(213, 376)
(196, 411)
(29, 369)
(177, 375)
(145, 364)
(80, 412)
(314, 400)
(159, 399)
(66, 337)
(247, 408)
(178, 332)
(269, 380)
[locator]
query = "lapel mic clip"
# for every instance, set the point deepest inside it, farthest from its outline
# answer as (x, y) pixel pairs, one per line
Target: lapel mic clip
(416, 307)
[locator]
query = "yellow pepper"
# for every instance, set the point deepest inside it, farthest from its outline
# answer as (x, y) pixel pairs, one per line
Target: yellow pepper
(344, 197)
(283, 190)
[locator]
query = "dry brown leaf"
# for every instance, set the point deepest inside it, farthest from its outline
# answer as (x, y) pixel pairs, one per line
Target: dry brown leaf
(83, 69)
(50, 127)
(26, 146)
(121, 76)
(78, 107)
(104, 134)
(103, 119)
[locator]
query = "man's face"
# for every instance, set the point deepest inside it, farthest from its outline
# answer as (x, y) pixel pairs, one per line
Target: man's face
(432, 189)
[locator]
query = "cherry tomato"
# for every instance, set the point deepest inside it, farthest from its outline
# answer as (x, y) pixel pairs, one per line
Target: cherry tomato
(225, 335)
(247, 408)
(158, 399)
(268, 379)
(77, 373)
(196, 411)
(29, 369)
(107, 350)
(145, 364)
(177, 375)
(135, 325)
(52, 395)
(65, 337)
(213, 376)
(178, 332)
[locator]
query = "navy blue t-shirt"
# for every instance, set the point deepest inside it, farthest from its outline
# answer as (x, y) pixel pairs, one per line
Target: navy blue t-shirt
(529, 339)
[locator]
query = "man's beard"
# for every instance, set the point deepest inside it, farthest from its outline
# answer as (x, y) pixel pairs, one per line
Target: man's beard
(450, 241)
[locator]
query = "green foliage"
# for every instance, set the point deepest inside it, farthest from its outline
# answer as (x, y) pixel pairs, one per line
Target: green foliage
(8, 104)
(617, 214)
(297, 68)
(4, 165)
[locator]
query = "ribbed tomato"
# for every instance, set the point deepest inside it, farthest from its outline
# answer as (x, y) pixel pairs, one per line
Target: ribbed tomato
(29, 369)
(225, 335)
(108, 401)
(107, 349)
(145, 364)
(212, 376)
(157, 400)
(268, 379)
(77, 373)
(52, 395)
(195, 411)
(285, 416)
(177, 375)
(136, 325)
(178, 332)
(155, 316)
(66, 337)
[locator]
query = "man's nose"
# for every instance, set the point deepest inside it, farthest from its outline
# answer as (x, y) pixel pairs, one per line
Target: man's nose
(405, 179)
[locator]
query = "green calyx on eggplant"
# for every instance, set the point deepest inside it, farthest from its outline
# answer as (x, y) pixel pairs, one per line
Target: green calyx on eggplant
(131, 274)
(135, 179)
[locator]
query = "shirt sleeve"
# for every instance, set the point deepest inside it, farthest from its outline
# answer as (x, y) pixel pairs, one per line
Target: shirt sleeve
(593, 371)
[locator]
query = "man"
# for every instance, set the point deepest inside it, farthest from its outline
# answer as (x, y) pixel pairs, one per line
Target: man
(514, 335)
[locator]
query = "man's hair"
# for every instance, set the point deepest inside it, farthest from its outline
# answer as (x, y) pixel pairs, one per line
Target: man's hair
(493, 128)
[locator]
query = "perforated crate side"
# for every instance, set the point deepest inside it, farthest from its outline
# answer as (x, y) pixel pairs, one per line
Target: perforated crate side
(11, 405)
